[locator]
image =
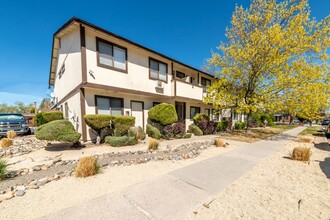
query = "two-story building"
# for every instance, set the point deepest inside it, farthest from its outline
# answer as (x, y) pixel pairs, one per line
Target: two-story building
(94, 71)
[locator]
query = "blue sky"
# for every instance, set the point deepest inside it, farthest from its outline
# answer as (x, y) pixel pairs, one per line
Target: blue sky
(184, 30)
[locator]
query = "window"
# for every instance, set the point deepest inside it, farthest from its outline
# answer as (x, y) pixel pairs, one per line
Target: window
(155, 103)
(62, 70)
(109, 105)
(111, 56)
(207, 112)
(205, 82)
(194, 111)
(180, 75)
(158, 70)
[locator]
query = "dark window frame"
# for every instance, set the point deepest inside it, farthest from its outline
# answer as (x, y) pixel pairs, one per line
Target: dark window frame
(109, 97)
(152, 59)
(113, 45)
(195, 107)
(205, 80)
(179, 72)
(155, 103)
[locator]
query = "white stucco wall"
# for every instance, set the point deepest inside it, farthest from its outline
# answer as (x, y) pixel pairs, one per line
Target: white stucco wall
(69, 53)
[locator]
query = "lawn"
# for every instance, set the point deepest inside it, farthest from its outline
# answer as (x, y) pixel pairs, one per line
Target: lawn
(312, 131)
(257, 134)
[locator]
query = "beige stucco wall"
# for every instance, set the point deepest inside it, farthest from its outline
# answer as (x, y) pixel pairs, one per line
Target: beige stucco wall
(69, 53)
(74, 111)
(137, 76)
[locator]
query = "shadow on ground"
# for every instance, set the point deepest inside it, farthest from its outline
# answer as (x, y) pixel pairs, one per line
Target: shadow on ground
(325, 167)
(281, 137)
(64, 146)
(322, 146)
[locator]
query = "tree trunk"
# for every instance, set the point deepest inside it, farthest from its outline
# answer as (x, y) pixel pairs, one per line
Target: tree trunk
(249, 116)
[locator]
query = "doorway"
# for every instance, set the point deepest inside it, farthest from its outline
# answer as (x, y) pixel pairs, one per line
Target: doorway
(180, 108)
(137, 112)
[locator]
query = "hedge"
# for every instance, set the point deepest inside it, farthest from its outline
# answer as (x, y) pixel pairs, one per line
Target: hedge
(240, 125)
(163, 113)
(195, 130)
(222, 125)
(187, 135)
(46, 117)
(119, 123)
(201, 117)
(120, 141)
(59, 130)
(153, 132)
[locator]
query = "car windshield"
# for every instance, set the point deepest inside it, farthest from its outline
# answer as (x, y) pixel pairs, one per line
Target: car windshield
(11, 117)
(325, 122)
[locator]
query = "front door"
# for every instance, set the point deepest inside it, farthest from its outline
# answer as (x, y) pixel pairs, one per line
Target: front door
(180, 108)
(137, 112)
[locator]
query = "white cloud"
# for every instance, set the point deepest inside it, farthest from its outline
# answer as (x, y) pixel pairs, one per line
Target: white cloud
(10, 98)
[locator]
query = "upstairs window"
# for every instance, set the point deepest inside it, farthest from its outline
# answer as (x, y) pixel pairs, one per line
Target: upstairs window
(205, 82)
(111, 56)
(158, 70)
(180, 75)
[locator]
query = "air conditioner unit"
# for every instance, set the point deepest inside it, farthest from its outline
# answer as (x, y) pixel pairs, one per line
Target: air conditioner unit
(159, 84)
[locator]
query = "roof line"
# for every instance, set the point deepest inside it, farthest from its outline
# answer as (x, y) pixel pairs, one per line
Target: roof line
(75, 19)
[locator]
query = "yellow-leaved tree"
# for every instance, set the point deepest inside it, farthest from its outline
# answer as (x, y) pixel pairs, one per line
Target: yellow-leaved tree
(275, 59)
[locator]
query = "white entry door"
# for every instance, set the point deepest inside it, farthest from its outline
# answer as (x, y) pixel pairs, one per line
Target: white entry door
(137, 112)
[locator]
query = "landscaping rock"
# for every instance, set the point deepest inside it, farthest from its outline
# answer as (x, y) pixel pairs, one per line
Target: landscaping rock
(6, 196)
(42, 181)
(20, 193)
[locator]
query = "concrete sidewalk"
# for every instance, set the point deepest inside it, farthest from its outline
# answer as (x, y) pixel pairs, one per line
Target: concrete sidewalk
(178, 193)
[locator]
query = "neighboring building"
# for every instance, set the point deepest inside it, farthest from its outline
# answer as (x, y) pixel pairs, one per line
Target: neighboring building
(94, 71)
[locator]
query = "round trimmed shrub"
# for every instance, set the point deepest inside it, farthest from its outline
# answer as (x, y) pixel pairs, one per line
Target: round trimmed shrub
(59, 130)
(163, 113)
(201, 117)
(208, 127)
(240, 125)
(179, 129)
(120, 141)
(187, 135)
(222, 125)
(195, 130)
(98, 122)
(153, 132)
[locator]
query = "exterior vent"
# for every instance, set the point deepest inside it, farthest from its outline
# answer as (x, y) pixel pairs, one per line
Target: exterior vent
(159, 84)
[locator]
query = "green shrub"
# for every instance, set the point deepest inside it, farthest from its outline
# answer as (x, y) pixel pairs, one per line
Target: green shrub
(137, 132)
(122, 124)
(260, 118)
(240, 125)
(120, 141)
(187, 135)
(60, 130)
(39, 119)
(46, 117)
(153, 132)
(195, 130)
(3, 169)
(163, 113)
(222, 125)
(200, 117)
(52, 116)
(98, 122)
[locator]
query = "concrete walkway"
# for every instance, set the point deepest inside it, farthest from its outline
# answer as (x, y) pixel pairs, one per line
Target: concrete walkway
(178, 193)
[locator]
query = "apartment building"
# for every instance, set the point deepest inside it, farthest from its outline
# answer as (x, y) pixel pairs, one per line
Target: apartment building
(94, 71)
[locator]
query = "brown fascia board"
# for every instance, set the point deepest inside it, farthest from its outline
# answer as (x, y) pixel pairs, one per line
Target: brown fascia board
(75, 19)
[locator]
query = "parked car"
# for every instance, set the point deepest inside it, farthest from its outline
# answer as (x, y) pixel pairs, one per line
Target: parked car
(15, 122)
(327, 131)
(325, 123)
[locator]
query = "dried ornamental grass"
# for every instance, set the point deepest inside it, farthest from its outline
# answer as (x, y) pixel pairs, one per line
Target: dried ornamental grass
(5, 142)
(301, 154)
(11, 134)
(219, 143)
(153, 144)
(303, 140)
(87, 166)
